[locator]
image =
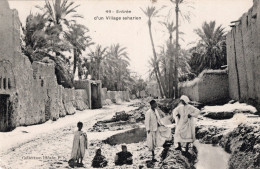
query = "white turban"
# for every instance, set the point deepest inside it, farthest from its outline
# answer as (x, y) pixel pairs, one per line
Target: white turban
(185, 99)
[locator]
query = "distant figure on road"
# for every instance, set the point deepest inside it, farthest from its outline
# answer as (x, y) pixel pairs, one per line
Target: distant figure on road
(80, 143)
(99, 160)
(184, 115)
(123, 157)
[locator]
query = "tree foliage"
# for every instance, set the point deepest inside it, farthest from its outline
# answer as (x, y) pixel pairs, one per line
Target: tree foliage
(55, 34)
(210, 51)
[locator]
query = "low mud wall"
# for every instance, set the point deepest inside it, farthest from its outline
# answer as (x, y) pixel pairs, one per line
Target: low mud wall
(243, 57)
(81, 99)
(209, 86)
(114, 96)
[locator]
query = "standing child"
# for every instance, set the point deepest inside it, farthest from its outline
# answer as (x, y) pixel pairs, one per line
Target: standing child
(80, 143)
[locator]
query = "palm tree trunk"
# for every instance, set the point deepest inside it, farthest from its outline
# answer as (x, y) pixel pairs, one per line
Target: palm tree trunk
(157, 70)
(170, 85)
(165, 75)
(177, 50)
(98, 76)
(159, 83)
(75, 62)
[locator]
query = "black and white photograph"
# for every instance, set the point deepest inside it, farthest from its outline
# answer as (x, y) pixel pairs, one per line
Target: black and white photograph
(130, 84)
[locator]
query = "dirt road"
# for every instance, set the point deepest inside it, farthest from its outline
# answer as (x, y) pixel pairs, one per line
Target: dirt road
(51, 149)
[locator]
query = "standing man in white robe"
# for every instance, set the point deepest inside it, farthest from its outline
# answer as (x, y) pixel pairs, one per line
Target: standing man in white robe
(151, 125)
(184, 115)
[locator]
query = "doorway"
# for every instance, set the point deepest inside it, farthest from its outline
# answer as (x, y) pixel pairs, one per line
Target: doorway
(4, 115)
(48, 107)
(95, 96)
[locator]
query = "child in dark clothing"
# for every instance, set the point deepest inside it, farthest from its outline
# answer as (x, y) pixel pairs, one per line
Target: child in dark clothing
(123, 157)
(99, 161)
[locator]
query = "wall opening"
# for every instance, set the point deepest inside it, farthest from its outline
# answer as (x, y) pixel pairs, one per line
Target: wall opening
(42, 83)
(9, 83)
(7, 80)
(95, 96)
(5, 119)
(48, 107)
(4, 83)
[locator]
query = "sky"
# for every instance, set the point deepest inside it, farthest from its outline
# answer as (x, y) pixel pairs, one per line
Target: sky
(134, 34)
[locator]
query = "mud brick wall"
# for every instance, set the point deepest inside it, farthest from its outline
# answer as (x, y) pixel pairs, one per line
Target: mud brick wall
(84, 85)
(190, 90)
(31, 88)
(69, 101)
(62, 111)
(117, 96)
(243, 57)
(209, 87)
(81, 99)
(104, 96)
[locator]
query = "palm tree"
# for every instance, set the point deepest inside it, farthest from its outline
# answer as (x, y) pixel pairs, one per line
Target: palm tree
(38, 37)
(164, 64)
(34, 35)
(165, 56)
(187, 17)
(99, 55)
(58, 12)
(177, 2)
(152, 12)
(76, 36)
(122, 60)
(39, 43)
(171, 28)
(210, 52)
(153, 64)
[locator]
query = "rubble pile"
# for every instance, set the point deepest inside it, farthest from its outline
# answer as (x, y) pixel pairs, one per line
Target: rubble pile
(219, 115)
(209, 134)
(99, 127)
(244, 145)
(122, 120)
(178, 159)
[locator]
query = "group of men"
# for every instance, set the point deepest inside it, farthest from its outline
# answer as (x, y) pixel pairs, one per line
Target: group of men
(158, 131)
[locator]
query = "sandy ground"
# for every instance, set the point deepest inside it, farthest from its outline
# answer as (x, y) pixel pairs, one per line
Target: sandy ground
(49, 145)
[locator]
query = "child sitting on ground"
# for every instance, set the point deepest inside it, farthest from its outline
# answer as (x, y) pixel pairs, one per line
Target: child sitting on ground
(123, 157)
(80, 143)
(99, 161)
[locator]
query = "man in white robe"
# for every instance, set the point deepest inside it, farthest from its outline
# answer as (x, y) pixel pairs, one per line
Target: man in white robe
(157, 133)
(151, 125)
(184, 115)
